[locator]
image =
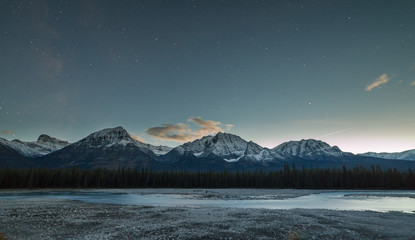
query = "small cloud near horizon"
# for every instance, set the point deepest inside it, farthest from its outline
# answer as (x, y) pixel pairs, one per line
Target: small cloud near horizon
(183, 133)
(382, 79)
(7, 132)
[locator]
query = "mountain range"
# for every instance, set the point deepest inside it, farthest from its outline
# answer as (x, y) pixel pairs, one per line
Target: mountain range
(114, 148)
(406, 155)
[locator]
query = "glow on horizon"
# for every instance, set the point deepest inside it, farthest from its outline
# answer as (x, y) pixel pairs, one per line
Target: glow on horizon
(375, 145)
(390, 133)
(356, 145)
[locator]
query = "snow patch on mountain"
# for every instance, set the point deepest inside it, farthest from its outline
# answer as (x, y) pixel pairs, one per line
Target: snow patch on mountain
(234, 159)
(198, 154)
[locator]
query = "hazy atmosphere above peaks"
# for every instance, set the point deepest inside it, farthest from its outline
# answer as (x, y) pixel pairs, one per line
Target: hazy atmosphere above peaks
(172, 71)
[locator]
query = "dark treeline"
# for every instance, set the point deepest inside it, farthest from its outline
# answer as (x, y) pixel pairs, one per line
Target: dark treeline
(288, 177)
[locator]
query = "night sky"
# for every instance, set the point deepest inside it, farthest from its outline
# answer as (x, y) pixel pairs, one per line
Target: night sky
(172, 71)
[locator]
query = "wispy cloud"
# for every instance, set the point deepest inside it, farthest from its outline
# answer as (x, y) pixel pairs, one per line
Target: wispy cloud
(382, 79)
(183, 133)
(178, 133)
(336, 132)
(7, 132)
(413, 83)
(208, 126)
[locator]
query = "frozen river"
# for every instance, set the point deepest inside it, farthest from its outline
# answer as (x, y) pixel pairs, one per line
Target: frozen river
(380, 201)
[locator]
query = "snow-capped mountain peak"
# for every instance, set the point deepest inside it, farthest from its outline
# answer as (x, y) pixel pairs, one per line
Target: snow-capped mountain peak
(229, 147)
(51, 143)
(232, 148)
(44, 145)
(109, 135)
(48, 139)
(225, 145)
(307, 148)
(118, 136)
(107, 138)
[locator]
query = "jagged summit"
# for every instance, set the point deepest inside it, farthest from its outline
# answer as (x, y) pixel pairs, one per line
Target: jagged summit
(226, 142)
(225, 145)
(303, 144)
(44, 138)
(109, 134)
(307, 148)
(117, 136)
(224, 137)
(44, 145)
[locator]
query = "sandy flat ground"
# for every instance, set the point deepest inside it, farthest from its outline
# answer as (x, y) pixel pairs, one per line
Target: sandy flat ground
(65, 219)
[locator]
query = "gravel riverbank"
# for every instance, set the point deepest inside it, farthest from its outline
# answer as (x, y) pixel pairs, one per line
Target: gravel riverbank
(36, 218)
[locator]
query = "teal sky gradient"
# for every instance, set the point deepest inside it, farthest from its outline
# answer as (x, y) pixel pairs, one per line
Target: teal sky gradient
(275, 70)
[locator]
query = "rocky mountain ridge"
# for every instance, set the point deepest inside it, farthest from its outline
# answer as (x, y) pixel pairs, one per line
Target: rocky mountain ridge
(43, 146)
(115, 147)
